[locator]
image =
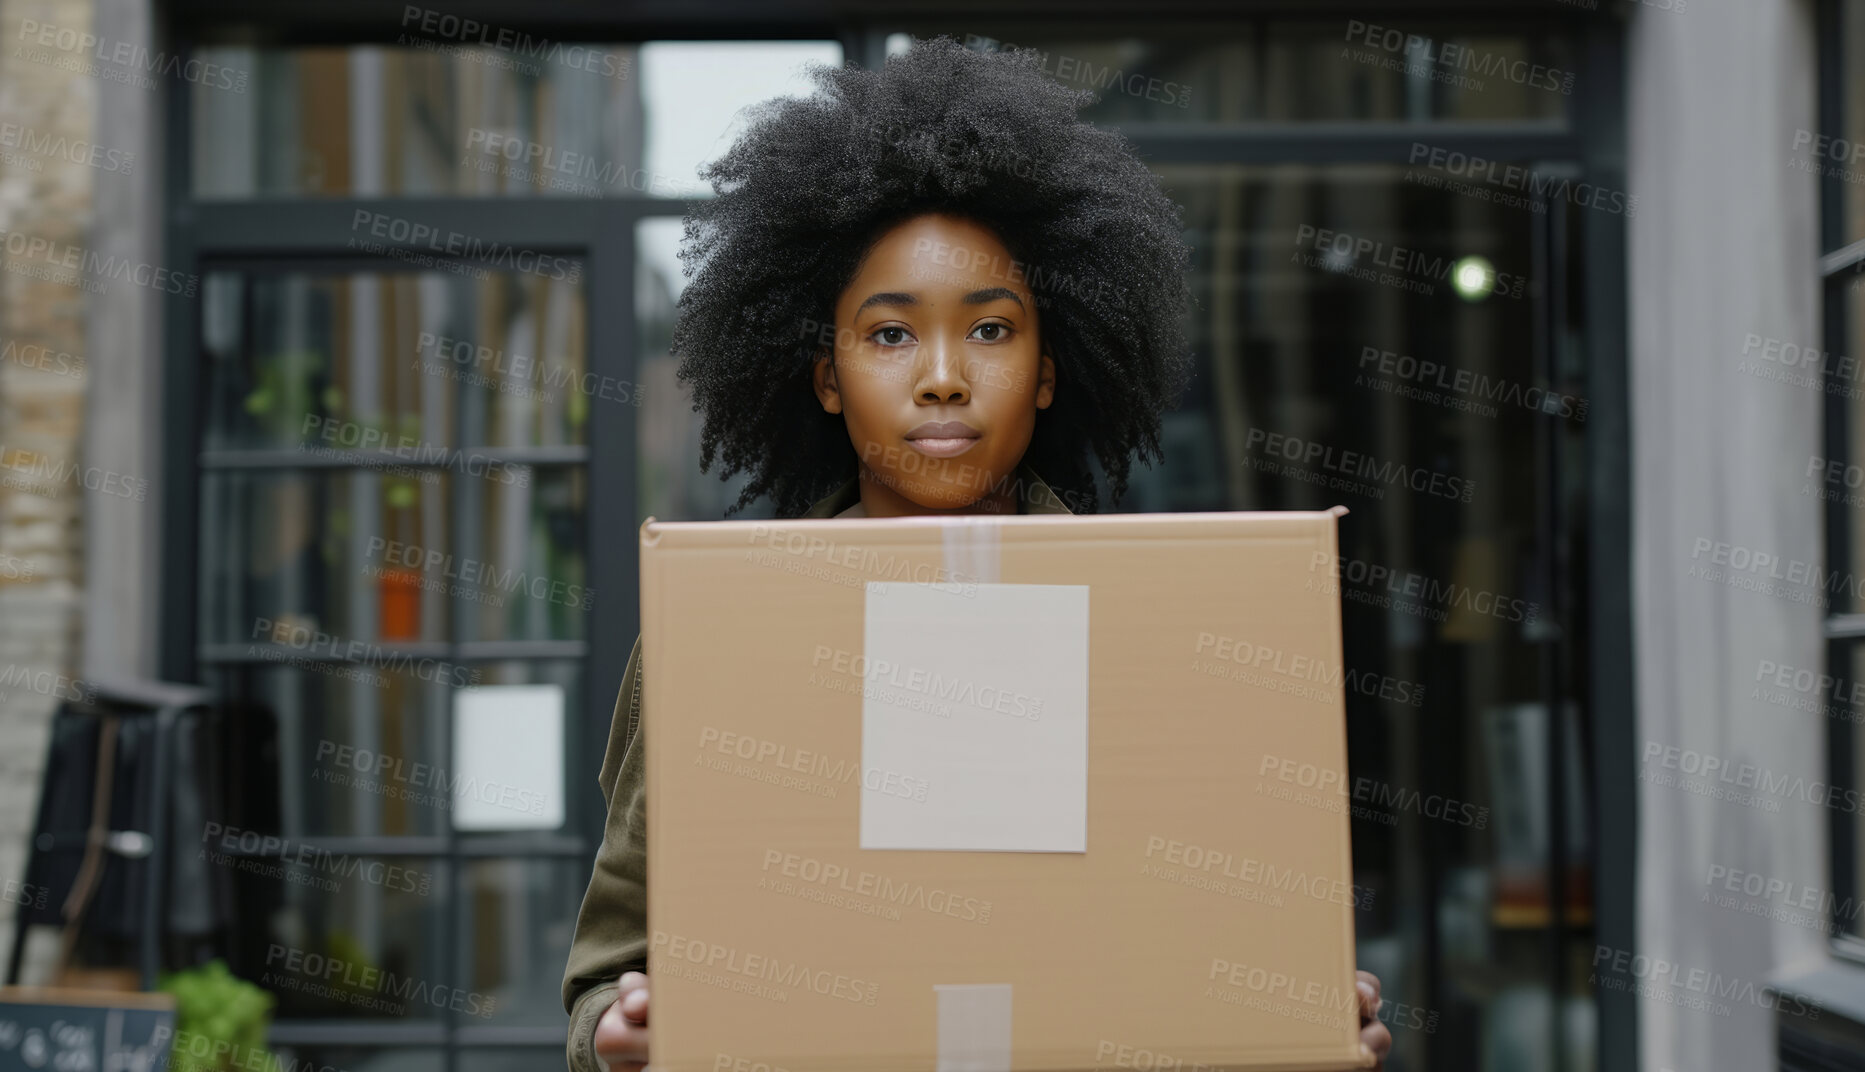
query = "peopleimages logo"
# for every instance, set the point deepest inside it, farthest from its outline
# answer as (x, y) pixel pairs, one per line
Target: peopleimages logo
(930, 683)
(318, 644)
(497, 255)
(1779, 899)
(1795, 688)
(355, 983)
(676, 952)
(377, 769)
(476, 577)
(302, 863)
(59, 147)
(562, 169)
(1719, 773)
(1792, 579)
(40, 256)
(442, 27)
(1331, 794)
(1495, 173)
(1353, 463)
(1248, 869)
(1844, 154)
(1299, 668)
(1427, 52)
(891, 893)
(1694, 988)
(1085, 71)
(1456, 381)
(125, 59)
(1414, 593)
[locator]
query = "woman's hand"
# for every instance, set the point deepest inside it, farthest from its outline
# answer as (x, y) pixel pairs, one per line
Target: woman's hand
(622, 1033)
(1374, 1035)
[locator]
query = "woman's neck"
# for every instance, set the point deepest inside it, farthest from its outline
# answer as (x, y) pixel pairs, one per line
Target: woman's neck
(881, 499)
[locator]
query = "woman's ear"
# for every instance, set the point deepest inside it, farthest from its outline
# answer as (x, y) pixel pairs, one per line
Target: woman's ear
(822, 378)
(1045, 380)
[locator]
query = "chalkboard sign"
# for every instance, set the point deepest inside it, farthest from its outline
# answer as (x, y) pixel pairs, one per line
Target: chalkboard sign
(84, 1030)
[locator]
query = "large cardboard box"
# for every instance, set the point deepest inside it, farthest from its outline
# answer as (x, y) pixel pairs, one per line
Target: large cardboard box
(990, 793)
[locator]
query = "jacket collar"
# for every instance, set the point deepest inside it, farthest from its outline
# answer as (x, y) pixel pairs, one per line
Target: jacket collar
(1037, 497)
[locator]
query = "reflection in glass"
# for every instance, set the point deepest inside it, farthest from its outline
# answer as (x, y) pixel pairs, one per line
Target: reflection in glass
(520, 568)
(588, 120)
(1850, 915)
(354, 1059)
(1170, 74)
(411, 362)
(342, 552)
(357, 750)
(1401, 69)
(1349, 69)
(1852, 120)
(519, 915)
(1337, 364)
(671, 486)
(1841, 488)
(346, 937)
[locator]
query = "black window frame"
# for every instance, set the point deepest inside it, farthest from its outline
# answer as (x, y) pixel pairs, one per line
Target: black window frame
(1840, 262)
(199, 235)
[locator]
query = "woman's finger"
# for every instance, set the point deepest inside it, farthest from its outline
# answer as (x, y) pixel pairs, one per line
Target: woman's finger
(635, 1006)
(1369, 985)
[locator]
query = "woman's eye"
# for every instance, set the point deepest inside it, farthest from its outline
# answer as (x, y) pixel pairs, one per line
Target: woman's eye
(890, 336)
(991, 332)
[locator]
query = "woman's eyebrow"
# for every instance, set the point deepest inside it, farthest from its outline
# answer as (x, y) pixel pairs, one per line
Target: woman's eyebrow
(989, 294)
(888, 297)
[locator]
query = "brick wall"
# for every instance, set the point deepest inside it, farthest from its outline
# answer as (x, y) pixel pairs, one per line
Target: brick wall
(44, 368)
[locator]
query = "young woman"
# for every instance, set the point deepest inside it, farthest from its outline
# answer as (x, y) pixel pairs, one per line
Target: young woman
(915, 291)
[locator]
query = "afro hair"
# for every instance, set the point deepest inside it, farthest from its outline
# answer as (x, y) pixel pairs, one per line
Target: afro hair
(814, 181)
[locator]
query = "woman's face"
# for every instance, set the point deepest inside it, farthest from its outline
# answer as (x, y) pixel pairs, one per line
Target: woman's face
(938, 369)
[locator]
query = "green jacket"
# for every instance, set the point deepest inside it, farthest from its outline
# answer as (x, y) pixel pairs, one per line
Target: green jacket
(612, 926)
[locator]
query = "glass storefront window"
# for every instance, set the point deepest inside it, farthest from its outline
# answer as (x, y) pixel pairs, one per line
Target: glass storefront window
(1385, 70)
(471, 120)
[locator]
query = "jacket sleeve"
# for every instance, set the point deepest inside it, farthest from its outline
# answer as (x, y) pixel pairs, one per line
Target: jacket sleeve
(611, 928)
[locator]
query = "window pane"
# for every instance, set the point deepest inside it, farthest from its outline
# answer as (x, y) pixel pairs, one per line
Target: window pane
(1840, 486)
(410, 362)
(340, 552)
(1399, 70)
(1352, 352)
(1169, 74)
(354, 758)
(1404, 69)
(1850, 899)
(374, 120)
(516, 927)
(520, 568)
(482, 1059)
(529, 119)
(1851, 160)
(695, 90)
(355, 1059)
(671, 486)
(348, 937)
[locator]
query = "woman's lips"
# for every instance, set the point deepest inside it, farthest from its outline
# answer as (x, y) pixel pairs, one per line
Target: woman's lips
(943, 447)
(943, 439)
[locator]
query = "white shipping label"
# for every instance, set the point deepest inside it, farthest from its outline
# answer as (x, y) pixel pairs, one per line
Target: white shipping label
(974, 1027)
(974, 718)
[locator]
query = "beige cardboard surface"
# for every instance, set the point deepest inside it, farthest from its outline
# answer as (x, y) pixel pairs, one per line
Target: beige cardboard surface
(1209, 920)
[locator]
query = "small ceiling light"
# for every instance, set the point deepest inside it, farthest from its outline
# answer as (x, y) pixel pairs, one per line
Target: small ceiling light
(1474, 278)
